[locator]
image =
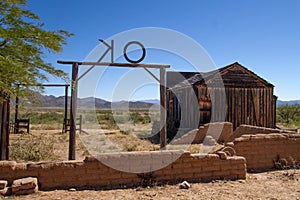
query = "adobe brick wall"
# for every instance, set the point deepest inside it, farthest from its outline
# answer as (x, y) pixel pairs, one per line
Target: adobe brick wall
(93, 173)
(220, 131)
(253, 130)
(261, 150)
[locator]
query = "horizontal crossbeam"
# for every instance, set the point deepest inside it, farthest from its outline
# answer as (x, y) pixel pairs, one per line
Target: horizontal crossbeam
(46, 85)
(114, 64)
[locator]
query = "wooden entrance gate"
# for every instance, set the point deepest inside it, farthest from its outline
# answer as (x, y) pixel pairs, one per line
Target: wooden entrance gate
(74, 87)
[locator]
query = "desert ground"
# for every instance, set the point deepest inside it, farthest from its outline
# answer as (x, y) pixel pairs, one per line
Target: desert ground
(53, 146)
(281, 184)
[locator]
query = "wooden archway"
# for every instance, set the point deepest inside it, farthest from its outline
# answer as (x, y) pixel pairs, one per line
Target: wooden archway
(75, 79)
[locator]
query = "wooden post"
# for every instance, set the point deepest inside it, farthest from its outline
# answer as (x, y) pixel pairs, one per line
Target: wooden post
(66, 108)
(4, 134)
(80, 124)
(16, 109)
(8, 129)
(274, 110)
(72, 139)
(163, 128)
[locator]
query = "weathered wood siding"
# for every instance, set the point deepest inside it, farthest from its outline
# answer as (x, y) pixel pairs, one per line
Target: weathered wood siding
(235, 93)
(251, 106)
(182, 108)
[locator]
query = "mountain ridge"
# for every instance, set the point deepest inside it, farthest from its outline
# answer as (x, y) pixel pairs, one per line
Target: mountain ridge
(280, 103)
(87, 102)
(90, 102)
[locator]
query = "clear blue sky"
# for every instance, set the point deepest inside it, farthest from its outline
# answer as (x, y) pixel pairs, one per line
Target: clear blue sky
(262, 35)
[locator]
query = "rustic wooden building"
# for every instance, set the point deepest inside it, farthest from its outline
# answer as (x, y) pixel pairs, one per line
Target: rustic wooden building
(232, 93)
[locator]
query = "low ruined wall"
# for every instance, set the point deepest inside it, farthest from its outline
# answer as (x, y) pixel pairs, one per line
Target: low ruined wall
(220, 131)
(253, 130)
(93, 173)
(263, 151)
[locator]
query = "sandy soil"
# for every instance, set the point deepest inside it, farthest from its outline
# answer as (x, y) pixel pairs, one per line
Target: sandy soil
(284, 184)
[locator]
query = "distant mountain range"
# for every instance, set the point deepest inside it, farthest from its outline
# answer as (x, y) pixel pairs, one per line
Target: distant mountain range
(282, 103)
(90, 102)
(153, 101)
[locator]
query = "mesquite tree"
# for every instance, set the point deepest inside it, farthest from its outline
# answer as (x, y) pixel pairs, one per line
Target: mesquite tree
(23, 41)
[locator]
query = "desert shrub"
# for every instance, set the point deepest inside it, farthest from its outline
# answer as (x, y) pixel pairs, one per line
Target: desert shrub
(285, 163)
(155, 132)
(43, 118)
(33, 148)
(289, 115)
(106, 118)
(122, 119)
(137, 118)
(130, 147)
(148, 179)
(89, 118)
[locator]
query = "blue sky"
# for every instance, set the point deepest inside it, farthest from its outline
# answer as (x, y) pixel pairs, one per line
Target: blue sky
(262, 35)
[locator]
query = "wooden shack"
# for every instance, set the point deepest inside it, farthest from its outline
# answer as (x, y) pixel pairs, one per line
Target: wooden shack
(232, 93)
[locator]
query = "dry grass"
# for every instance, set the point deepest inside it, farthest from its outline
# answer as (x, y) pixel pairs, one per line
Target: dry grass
(52, 145)
(32, 148)
(130, 142)
(43, 145)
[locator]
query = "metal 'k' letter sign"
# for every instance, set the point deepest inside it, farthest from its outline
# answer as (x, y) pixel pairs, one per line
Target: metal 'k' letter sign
(111, 48)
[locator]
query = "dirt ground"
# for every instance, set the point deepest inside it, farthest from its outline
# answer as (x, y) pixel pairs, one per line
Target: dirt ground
(283, 184)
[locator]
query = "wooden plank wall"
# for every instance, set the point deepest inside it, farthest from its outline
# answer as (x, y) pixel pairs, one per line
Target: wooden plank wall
(252, 106)
(189, 109)
(185, 107)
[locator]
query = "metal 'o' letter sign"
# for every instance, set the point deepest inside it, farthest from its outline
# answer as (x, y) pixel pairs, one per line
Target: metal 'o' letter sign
(142, 56)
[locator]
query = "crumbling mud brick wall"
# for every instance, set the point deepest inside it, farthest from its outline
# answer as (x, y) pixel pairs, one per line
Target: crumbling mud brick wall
(220, 131)
(93, 173)
(253, 130)
(265, 151)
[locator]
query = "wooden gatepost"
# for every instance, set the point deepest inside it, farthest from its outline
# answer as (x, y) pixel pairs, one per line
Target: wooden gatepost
(4, 126)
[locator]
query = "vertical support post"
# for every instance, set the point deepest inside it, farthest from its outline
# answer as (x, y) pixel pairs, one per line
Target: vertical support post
(163, 128)
(16, 110)
(66, 108)
(80, 124)
(8, 129)
(274, 110)
(4, 134)
(72, 138)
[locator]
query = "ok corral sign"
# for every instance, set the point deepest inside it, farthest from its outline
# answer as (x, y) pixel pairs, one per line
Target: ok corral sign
(111, 49)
